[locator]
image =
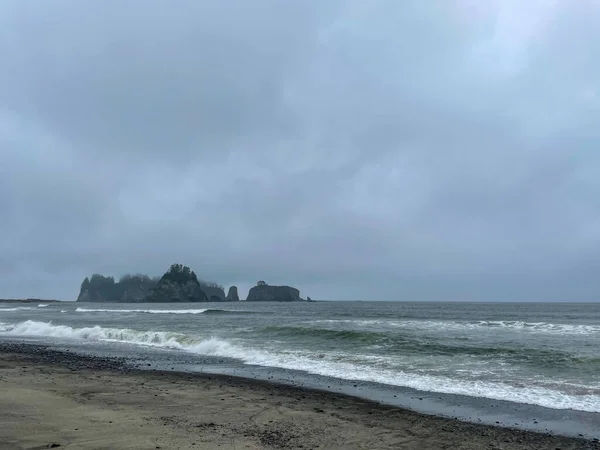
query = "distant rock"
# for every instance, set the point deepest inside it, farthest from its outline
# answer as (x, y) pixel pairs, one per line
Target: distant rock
(213, 293)
(178, 284)
(86, 297)
(171, 292)
(130, 288)
(232, 294)
(262, 292)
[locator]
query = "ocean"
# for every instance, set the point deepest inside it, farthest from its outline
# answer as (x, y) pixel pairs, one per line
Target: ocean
(540, 354)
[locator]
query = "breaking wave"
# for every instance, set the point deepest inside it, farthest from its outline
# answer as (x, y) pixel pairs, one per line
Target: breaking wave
(407, 345)
(541, 327)
(508, 325)
(349, 366)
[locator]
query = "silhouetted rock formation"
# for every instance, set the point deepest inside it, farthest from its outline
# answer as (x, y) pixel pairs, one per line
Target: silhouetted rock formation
(130, 288)
(232, 295)
(178, 284)
(214, 293)
(262, 292)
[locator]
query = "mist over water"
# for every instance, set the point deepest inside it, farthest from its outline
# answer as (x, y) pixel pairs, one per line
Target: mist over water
(540, 354)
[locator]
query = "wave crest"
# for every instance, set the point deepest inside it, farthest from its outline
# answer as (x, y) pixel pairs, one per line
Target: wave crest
(18, 308)
(441, 325)
(336, 365)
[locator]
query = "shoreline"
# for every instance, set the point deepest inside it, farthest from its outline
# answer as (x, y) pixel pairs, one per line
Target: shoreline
(111, 404)
(471, 409)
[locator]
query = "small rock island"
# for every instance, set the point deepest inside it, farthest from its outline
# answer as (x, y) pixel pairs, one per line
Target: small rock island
(262, 292)
(178, 284)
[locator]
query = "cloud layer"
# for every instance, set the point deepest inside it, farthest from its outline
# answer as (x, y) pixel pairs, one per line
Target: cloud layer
(358, 150)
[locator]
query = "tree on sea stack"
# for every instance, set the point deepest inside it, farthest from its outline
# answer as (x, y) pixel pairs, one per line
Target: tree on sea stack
(178, 284)
(261, 283)
(178, 273)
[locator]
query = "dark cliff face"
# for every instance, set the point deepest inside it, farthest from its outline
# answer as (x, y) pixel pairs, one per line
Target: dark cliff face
(172, 292)
(265, 293)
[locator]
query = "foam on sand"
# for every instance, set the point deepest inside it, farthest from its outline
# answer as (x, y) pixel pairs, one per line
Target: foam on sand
(337, 365)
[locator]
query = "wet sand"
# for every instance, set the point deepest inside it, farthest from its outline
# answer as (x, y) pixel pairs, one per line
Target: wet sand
(76, 402)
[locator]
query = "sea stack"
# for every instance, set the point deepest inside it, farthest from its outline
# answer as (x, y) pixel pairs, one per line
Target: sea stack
(262, 292)
(232, 295)
(178, 284)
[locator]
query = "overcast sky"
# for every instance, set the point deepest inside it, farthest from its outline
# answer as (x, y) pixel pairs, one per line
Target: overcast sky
(384, 150)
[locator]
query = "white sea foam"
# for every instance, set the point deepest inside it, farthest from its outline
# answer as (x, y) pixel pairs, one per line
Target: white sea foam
(19, 308)
(146, 311)
(42, 306)
(508, 325)
(336, 366)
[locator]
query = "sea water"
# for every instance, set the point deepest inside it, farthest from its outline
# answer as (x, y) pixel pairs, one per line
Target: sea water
(530, 353)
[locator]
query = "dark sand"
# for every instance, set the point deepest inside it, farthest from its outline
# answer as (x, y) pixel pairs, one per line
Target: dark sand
(76, 402)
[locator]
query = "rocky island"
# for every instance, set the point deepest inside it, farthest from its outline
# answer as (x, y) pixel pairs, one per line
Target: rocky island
(178, 284)
(262, 292)
(232, 295)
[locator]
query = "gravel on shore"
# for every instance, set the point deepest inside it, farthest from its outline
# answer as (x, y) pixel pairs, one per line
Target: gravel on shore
(60, 398)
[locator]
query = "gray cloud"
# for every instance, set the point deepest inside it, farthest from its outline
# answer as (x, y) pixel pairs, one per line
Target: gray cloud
(358, 150)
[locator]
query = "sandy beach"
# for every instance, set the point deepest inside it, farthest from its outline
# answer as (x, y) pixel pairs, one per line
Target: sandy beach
(51, 399)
